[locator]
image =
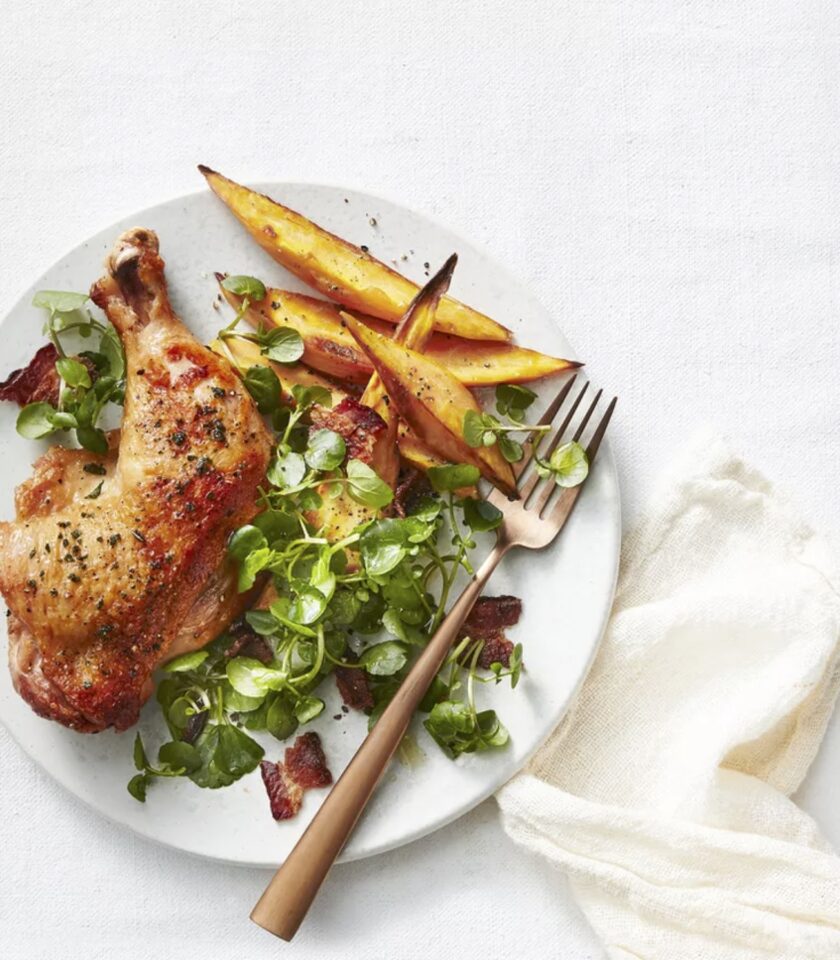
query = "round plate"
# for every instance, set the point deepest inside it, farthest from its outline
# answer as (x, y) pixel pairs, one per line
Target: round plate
(566, 590)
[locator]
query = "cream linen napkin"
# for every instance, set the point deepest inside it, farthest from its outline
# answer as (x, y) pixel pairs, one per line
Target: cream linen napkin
(664, 794)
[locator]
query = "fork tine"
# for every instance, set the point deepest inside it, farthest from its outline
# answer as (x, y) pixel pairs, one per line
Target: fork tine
(550, 486)
(532, 481)
(600, 430)
(544, 421)
(561, 509)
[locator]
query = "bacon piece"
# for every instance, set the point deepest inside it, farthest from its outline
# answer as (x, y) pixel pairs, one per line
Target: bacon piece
(284, 795)
(247, 643)
(491, 615)
(37, 382)
(306, 763)
(358, 425)
(496, 649)
(487, 622)
(354, 688)
(304, 767)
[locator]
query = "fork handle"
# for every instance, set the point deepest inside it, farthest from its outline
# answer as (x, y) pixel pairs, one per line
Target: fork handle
(290, 893)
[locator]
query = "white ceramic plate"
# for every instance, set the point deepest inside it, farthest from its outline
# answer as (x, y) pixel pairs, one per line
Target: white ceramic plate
(567, 590)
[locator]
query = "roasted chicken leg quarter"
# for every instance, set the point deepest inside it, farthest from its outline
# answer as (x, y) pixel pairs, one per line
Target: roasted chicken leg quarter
(103, 590)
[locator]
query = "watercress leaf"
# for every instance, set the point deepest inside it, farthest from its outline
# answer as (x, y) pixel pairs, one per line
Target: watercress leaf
(310, 500)
(427, 509)
(209, 774)
(105, 388)
(245, 286)
(366, 487)
(276, 524)
(325, 450)
(92, 438)
(141, 761)
(99, 360)
(262, 622)
(493, 732)
(264, 386)
(62, 420)
(187, 661)
(569, 464)
(473, 428)
(283, 345)
(179, 756)
(236, 753)
(256, 719)
(437, 692)
(236, 702)
(453, 476)
(384, 659)
(251, 677)
(111, 348)
(59, 301)
(307, 708)
(322, 577)
(395, 623)
(306, 397)
(137, 786)
(73, 372)
(510, 449)
(513, 400)
(180, 711)
(86, 410)
(35, 421)
(516, 665)
(251, 566)
(307, 606)
(383, 546)
(480, 515)
(281, 721)
(343, 609)
(369, 617)
(244, 540)
(287, 470)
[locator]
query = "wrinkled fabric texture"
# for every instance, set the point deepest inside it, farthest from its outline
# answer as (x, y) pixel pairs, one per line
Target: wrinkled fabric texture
(665, 793)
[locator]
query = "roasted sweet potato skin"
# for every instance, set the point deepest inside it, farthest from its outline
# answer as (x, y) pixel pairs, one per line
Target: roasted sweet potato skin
(432, 402)
(246, 354)
(331, 349)
(327, 345)
(338, 269)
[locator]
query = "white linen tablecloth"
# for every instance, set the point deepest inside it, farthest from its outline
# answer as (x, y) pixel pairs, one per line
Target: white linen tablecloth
(662, 172)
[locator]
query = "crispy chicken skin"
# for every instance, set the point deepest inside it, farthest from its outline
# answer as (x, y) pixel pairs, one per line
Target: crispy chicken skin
(103, 590)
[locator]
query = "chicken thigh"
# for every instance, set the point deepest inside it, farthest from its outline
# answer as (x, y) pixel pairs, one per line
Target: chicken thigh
(103, 590)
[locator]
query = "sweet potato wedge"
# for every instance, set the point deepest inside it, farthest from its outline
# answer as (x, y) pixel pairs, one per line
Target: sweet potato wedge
(431, 401)
(338, 269)
(248, 354)
(327, 346)
(330, 349)
(415, 328)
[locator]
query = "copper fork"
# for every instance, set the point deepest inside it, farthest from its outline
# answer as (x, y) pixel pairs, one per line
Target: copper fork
(533, 520)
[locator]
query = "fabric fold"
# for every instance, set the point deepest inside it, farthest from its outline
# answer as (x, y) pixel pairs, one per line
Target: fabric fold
(665, 793)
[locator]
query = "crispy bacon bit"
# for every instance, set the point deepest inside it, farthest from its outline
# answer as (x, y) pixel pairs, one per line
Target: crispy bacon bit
(304, 767)
(246, 643)
(354, 688)
(495, 650)
(412, 486)
(284, 795)
(491, 615)
(35, 383)
(358, 425)
(306, 763)
(487, 622)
